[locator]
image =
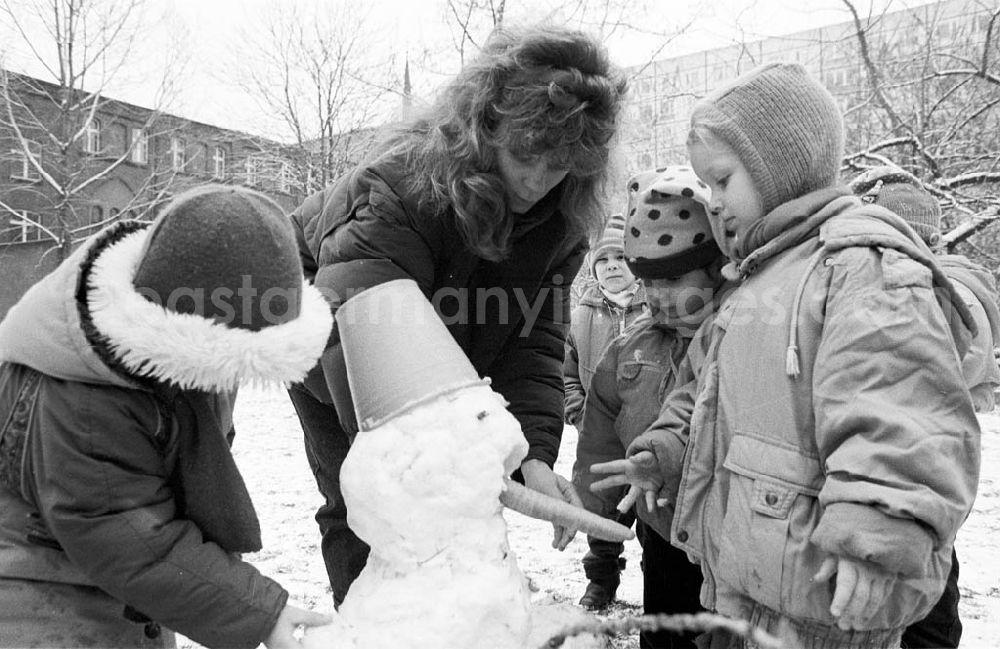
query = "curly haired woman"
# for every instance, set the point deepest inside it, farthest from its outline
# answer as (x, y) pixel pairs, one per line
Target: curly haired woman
(486, 200)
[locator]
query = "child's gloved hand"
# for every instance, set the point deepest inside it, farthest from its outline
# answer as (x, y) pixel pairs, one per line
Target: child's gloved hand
(861, 590)
(641, 472)
(292, 618)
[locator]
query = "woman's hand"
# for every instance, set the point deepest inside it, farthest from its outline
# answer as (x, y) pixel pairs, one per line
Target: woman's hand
(641, 472)
(538, 476)
(290, 619)
(860, 592)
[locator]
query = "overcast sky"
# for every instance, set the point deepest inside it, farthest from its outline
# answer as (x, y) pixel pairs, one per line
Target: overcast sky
(210, 31)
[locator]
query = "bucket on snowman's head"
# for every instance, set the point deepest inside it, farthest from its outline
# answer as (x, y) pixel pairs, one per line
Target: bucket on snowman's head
(398, 353)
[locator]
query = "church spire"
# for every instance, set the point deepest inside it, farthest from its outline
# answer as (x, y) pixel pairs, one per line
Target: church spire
(407, 89)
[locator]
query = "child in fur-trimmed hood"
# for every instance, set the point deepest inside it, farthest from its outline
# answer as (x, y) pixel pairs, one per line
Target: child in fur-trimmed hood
(122, 512)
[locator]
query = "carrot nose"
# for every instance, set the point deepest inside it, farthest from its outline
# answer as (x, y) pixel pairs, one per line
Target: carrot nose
(544, 507)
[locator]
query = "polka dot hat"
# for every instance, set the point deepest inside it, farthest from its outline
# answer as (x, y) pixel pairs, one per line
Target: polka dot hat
(667, 232)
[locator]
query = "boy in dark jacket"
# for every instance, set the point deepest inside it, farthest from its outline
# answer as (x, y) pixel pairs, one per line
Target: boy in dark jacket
(670, 247)
(121, 508)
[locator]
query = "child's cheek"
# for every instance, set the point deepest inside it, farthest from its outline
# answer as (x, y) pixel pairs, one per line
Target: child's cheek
(718, 227)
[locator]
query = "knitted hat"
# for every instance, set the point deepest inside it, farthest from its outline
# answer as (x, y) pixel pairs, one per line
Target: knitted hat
(611, 239)
(783, 125)
(223, 253)
(667, 232)
(903, 194)
(210, 295)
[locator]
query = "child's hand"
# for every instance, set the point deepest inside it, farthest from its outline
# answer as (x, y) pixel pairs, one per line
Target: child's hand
(538, 476)
(861, 590)
(640, 471)
(283, 634)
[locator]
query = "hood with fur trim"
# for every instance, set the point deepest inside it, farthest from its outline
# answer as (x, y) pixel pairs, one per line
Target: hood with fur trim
(86, 322)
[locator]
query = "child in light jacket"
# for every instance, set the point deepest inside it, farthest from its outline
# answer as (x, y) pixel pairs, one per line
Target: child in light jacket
(903, 194)
(605, 310)
(669, 245)
(828, 452)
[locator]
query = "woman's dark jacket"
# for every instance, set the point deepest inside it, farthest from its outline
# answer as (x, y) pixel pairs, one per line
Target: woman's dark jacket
(510, 317)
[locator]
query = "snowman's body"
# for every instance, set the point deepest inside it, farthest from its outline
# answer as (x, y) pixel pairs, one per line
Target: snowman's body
(423, 491)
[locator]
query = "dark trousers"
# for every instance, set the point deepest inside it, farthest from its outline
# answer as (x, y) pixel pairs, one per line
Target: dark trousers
(327, 445)
(603, 562)
(671, 584)
(941, 627)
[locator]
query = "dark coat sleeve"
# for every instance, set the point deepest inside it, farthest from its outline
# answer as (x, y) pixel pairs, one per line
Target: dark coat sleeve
(359, 235)
(529, 370)
(101, 485)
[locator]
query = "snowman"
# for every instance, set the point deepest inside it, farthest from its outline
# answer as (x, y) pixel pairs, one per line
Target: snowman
(425, 484)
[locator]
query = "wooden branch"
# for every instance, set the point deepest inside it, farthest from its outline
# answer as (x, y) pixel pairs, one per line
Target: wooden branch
(974, 178)
(959, 234)
(985, 62)
(874, 78)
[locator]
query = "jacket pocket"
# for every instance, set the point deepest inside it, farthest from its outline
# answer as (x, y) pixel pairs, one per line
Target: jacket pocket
(771, 508)
(640, 387)
(642, 374)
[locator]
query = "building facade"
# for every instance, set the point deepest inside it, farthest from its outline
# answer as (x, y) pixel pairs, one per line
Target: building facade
(126, 161)
(663, 92)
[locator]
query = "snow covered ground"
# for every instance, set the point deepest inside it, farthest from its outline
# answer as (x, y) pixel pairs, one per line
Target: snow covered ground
(269, 452)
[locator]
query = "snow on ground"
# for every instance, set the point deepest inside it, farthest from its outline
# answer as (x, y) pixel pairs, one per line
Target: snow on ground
(270, 454)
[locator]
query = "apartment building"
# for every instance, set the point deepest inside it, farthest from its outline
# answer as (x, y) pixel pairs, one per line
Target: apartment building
(128, 162)
(663, 92)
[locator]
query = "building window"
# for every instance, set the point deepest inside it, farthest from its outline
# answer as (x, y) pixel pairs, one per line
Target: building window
(666, 109)
(22, 167)
(93, 136)
(254, 167)
(22, 229)
(140, 146)
(219, 163)
(285, 178)
(836, 78)
(177, 153)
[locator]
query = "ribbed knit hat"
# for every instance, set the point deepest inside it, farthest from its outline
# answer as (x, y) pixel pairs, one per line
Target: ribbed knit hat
(667, 232)
(901, 193)
(784, 126)
(611, 239)
(224, 253)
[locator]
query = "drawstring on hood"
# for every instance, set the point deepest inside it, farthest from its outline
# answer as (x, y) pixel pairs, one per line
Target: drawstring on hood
(792, 367)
